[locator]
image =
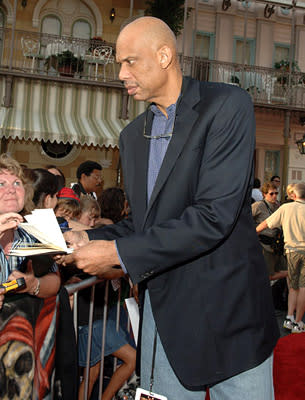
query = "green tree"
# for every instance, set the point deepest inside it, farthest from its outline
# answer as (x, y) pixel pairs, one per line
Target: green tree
(170, 11)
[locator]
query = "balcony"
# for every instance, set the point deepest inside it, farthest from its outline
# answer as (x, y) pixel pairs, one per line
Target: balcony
(60, 58)
(92, 62)
(268, 87)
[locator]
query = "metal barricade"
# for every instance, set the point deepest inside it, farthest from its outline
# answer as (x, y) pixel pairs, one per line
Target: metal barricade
(75, 288)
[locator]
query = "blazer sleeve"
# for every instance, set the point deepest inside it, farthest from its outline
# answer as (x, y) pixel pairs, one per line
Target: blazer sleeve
(223, 183)
(113, 231)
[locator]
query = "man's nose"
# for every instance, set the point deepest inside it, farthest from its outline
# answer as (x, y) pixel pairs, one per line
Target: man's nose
(123, 74)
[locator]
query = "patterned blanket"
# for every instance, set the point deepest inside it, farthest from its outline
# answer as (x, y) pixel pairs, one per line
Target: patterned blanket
(27, 347)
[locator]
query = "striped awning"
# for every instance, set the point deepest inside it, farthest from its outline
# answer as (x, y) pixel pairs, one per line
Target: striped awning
(44, 110)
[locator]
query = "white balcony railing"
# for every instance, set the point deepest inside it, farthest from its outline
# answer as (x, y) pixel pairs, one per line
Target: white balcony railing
(60, 56)
(65, 57)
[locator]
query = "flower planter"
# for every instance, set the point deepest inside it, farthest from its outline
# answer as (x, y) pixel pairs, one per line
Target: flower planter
(66, 71)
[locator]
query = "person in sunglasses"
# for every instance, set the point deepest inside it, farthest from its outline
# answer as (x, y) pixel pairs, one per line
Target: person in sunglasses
(261, 210)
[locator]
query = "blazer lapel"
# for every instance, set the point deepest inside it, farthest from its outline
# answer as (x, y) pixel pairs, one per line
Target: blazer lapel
(183, 126)
(141, 157)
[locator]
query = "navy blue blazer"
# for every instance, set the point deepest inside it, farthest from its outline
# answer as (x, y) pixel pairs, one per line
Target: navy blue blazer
(194, 246)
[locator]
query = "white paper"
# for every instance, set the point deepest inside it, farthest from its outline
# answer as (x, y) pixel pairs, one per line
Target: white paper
(44, 220)
(142, 394)
(133, 311)
(43, 225)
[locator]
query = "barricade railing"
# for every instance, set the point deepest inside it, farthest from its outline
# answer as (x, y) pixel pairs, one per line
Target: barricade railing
(74, 289)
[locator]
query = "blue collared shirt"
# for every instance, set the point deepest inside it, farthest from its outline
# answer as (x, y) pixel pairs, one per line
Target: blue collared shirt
(157, 148)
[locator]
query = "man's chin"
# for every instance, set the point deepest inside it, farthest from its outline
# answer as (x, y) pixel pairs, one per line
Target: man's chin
(138, 97)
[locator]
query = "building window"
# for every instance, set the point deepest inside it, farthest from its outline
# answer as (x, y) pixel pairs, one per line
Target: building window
(204, 45)
(81, 29)
(296, 175)
(56, 150)
(51, 25)
(281, 52)
(272, 164)
(238, 48)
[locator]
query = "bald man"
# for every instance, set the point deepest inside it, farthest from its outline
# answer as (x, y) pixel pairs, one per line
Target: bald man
(207, 317)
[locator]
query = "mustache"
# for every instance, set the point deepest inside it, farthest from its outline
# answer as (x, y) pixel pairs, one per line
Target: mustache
(129, 83)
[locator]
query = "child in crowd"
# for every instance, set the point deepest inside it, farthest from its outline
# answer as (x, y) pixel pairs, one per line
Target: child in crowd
(78, 214)
(90, 211)
(83, 214)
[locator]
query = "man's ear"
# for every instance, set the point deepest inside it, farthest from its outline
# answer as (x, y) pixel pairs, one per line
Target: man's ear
(165, 56)
(83, 178)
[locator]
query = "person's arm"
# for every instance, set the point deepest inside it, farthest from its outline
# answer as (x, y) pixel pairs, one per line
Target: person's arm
(77, 226)
(272, 222)
(112, 231)
(43, 287)
(262, 226)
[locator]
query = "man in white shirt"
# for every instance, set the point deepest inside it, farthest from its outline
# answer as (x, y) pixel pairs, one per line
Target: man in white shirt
(257, 194)
(291, 217)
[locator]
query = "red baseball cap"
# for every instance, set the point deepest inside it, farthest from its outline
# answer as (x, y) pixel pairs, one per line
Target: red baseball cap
(67, 193)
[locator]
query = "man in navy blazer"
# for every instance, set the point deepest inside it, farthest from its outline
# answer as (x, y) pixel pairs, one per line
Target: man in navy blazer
(189, 241)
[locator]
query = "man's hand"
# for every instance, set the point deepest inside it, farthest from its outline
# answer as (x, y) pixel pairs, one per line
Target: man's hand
(76, 239)
(96, 258)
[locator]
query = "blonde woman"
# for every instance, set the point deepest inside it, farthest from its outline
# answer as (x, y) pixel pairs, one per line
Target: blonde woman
(28, 316)
(290, 195)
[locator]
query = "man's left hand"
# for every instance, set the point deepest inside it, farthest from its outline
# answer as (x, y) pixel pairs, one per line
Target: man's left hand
(96, 258)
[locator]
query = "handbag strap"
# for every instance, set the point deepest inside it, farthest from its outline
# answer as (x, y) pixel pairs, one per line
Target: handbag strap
(153, 361)
(268, 208)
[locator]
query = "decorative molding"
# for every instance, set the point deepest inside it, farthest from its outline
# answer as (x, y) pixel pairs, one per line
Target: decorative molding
(36, 13)
(98, 16)
(90, 3)
(10, 11)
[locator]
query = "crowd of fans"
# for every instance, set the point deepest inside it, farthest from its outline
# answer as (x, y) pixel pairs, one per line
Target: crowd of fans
(35, 307)
(281, 231)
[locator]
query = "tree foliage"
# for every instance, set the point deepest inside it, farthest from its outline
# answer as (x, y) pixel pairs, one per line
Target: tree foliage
(170, 11)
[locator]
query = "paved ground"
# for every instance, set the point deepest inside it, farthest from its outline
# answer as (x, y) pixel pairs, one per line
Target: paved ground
(280, 316)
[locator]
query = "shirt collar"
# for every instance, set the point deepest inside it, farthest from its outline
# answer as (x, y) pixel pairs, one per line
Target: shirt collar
(170, 110)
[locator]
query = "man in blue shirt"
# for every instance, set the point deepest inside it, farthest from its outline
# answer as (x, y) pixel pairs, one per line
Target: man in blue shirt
(189, 242)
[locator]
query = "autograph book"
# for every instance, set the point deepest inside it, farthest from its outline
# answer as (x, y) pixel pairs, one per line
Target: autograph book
(43, 225)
